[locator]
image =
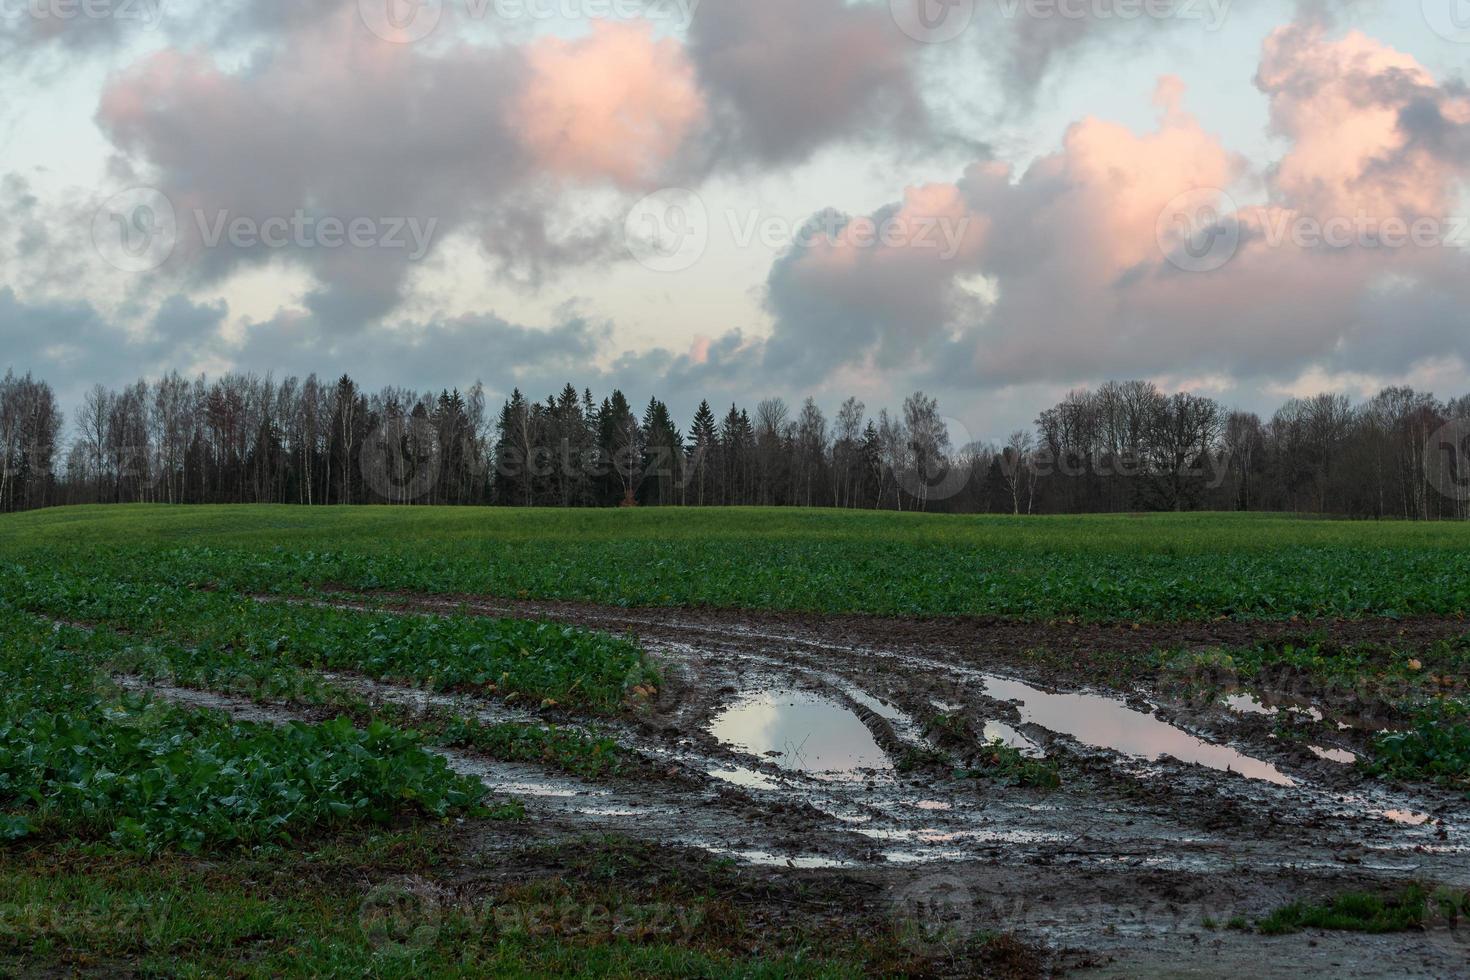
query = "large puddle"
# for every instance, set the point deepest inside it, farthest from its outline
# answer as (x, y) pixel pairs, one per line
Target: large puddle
(800, 731)
(1109, 724)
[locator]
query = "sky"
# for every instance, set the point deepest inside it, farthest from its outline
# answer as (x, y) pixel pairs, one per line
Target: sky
(993, 201)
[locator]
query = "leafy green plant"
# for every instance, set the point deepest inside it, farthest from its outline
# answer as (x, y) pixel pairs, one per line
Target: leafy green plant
(569, 751)
(1436, 748)
(222, 636)
(81, 758)
(1000, 762)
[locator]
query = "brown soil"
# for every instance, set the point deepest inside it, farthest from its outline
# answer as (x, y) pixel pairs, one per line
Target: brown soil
(1133, 867)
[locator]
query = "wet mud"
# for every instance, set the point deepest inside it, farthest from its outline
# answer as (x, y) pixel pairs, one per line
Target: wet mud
(809, 744)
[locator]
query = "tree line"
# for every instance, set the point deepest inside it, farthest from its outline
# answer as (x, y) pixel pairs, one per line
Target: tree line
(1127, 446)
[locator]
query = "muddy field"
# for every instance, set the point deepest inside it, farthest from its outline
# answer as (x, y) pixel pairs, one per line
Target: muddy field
(798, 747)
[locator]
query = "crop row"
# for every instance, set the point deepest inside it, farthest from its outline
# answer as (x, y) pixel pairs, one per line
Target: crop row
(878, 576)
(79, 757)
(224, 630)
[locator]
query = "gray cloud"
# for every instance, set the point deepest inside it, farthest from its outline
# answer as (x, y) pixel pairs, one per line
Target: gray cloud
(789, 77)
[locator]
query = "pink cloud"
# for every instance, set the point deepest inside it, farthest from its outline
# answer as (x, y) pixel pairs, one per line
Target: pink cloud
(617, 104)
(336, 121)
(1345, 105)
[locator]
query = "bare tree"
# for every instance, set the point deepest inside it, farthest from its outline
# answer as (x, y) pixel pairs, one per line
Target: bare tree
(1017, 468)
(928, 441)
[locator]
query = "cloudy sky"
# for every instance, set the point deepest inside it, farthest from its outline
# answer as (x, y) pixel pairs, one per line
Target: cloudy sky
(992, 200)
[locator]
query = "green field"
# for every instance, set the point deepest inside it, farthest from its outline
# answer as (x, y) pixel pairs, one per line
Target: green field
(143, 832)
(140, 834)
(1121, 568)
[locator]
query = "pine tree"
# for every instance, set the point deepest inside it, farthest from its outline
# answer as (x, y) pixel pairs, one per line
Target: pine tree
(513, 445)
(663, 456)
(620, 440)
(706, 440)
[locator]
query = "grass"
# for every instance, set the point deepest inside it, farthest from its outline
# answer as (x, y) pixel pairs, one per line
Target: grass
(1107, 568)
(1338, 679)
(1415, 907)
(416, 903)
(112, 802)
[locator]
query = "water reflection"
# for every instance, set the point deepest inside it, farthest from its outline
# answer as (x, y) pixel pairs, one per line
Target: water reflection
(1109, 724)
(800, 731)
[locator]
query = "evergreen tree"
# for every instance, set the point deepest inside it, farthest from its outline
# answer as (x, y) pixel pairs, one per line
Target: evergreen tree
(706, 440)
(513, 446)
(620, 440)
(663, 456)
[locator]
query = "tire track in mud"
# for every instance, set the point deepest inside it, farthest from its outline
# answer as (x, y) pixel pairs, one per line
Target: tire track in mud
(708, 818)
(1173, 813)
(1096, 866)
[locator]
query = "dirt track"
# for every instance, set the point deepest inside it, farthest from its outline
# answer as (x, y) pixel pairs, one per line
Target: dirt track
(1119, 871)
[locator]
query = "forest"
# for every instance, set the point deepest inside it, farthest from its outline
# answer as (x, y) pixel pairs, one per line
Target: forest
(1124, 447)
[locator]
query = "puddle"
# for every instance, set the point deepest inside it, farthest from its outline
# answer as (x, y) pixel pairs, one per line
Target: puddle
(882, 709)
(745, 778)
(1109, 724)
(1255, 704)
(769, 860)
(802, 732)
(996, 731)
(929, 857)
(1406, 817)
(937, 835)
(1342, 756)
(540, 790)
(1247, 704)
